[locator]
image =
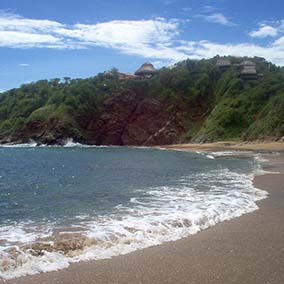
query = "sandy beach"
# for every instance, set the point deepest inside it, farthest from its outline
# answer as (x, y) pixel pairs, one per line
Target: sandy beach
(230, 146)
(249, 249)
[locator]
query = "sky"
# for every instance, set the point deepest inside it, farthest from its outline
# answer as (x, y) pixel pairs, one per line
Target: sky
(47, 39)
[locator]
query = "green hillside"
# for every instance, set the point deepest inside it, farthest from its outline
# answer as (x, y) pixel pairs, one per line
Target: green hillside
(191, 101)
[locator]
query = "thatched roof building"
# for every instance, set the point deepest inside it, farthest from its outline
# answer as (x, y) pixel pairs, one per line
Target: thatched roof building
(223, 63)
(127, 76)
(247, 63)
(249, 72)
(147, 69)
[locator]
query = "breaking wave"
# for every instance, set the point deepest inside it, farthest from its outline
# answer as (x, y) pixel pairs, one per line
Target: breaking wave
(158, 215)
(69, 143)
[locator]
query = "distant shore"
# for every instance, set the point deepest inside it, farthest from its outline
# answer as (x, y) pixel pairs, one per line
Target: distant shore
(230, 146)
(247, 250)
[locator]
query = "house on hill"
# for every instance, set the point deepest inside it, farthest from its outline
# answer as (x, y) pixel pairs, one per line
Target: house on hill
(127, 76)
(223, 64)
(120, 75)
(147, 70)
(247, 63)
(248, 71)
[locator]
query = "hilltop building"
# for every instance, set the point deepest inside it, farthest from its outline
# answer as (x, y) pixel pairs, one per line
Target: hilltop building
(147, 70)
(248, 71)
(223, 64)
(121, 75)
(248, 63)
(247, 68)
(127, 76)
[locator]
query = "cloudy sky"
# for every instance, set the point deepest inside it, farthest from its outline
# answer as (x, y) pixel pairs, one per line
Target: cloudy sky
(59, 38)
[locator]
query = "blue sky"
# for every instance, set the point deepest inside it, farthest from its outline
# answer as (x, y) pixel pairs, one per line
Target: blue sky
(48, 39)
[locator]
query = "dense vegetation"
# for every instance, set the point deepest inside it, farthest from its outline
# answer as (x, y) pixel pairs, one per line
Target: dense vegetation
(214, 104)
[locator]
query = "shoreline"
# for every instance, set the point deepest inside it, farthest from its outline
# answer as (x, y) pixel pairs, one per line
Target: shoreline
(254, 146)
(190, 259)
(229, 146)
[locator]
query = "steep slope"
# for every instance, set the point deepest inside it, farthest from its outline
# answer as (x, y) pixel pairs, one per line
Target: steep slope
(130, 119)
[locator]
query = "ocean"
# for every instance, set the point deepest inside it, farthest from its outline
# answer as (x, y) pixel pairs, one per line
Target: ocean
(60, 205)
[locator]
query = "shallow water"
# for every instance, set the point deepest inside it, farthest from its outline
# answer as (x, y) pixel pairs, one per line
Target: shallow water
(62, 205)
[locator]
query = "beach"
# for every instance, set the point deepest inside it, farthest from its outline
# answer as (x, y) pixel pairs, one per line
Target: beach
(248, 249)
(230, 146)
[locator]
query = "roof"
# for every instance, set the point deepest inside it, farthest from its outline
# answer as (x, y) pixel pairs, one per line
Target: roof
(146, 68)
(248, 63)
(249, 70)
(223, 62)
(125, 76)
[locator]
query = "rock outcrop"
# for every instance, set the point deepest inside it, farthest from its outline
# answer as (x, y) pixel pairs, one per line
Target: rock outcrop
(130, 119)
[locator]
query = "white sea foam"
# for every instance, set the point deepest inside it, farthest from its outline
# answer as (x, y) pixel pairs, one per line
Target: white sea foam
(69, 143)
(210, 157)
(231, 153)
(23, 233)
(159, 215)
(223, 154)
(260, 158)
(31, 144)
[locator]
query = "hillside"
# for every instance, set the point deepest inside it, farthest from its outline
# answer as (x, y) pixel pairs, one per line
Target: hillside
(192, 101)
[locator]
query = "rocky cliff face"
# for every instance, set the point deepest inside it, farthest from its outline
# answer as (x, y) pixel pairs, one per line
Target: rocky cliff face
(131, 119)
(51, 132)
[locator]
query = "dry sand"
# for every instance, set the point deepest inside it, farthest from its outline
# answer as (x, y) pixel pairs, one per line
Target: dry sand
(230, 146)
(249, 249)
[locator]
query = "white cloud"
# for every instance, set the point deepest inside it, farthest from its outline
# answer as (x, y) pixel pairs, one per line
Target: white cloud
(25, 40)
(217, 18)
(264, 31)
(147, 38)
(24, 65)
(11, 22)
(124, 32)
(279, 42)
(156, 39)
(207, 49)
(208, 8)
(19, 32)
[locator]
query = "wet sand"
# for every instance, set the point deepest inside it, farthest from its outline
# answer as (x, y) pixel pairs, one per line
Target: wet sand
(249, 249)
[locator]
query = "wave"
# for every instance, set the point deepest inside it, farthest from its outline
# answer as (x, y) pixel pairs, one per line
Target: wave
(69, 143)
(31, 144)
(158, 215)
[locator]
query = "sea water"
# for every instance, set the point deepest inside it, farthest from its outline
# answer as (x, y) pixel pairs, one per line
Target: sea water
(67, 204)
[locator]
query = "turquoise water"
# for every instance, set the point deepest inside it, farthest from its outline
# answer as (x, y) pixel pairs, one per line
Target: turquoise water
(113, 200)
